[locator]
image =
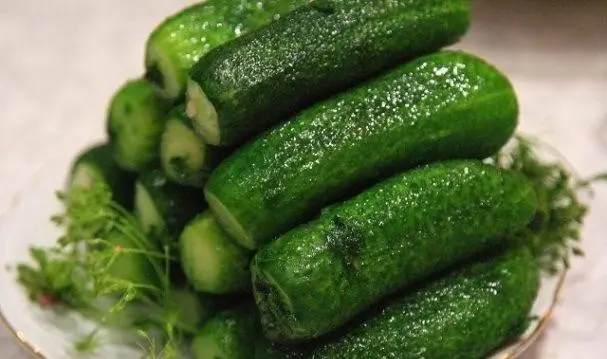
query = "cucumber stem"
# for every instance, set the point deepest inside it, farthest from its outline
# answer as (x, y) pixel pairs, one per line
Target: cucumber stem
(203, 114)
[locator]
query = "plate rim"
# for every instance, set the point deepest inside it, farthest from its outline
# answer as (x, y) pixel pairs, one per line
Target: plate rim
(522, 344)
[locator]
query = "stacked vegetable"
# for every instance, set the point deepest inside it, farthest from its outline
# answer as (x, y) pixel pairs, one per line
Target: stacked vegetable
(295, 179)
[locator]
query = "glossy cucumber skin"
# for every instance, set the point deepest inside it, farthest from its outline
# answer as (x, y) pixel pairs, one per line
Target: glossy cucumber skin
(189, 34)
(442, 106)
(120, 182)
(321, 274)
(176, 204)
(318, 50)
(464, 315)
(184, 167)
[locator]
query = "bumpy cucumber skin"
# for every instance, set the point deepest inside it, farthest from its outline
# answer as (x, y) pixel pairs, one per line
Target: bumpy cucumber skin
(136, 119)
(442, 106)
(234, 331)
(464, 315)
(121, 183)
(176, 165)
(177, 204)
(191, 33)
(317, 50)
(317, 276)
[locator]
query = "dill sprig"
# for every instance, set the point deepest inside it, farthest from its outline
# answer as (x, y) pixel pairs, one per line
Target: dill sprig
(554, 233)
(75, 273)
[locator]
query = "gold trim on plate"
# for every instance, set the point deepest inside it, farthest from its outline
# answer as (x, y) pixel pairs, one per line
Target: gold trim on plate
(19, 337)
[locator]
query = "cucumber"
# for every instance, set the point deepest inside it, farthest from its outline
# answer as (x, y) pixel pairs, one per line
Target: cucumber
(317, 276)
(464, 315)
(211, 260)
(182, 39)
(136, 121)
(189, 309)
(243, 87)
(163, 208)
(185, 158)
(441, 106)
(132, 266)
(96, 165)
(230, 334)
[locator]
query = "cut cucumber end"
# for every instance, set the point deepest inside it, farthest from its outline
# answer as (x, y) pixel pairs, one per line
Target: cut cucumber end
(210, 259)
(203, 114)
(162, 73)
(274, 305)
(228, 222)
(204, 346)
(182, 154)
(84, 176)
(147, 213)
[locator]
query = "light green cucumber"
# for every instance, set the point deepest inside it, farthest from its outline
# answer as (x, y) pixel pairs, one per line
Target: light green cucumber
(164, 208)
(185, 158)
(136, 119)
(96, 165)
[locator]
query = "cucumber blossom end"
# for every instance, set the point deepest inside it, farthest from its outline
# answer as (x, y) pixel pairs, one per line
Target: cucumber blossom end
(203, 114)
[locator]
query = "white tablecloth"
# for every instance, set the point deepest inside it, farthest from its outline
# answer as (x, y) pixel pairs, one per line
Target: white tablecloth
(61, 60)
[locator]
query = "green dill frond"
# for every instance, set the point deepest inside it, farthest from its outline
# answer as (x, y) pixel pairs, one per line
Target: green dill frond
(554, 233)
(77, 272)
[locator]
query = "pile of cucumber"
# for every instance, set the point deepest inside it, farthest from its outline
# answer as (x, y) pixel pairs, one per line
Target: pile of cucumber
(324, 160)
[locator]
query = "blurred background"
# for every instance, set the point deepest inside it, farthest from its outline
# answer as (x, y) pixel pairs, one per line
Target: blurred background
(61, 60)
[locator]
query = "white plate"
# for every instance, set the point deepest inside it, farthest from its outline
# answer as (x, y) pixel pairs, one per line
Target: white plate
(51, 336)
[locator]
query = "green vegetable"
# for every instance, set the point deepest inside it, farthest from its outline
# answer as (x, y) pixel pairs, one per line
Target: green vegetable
(114, 267)
(96, 164)
(555, 231)
(164, 208)
(464, 315)
(316, 277)
(442, 106)
(182, 39)
(231, 334)
(324, 47)
(189, 309)
(185, 158)
(136, 121)
(212, 262)
(130, 264)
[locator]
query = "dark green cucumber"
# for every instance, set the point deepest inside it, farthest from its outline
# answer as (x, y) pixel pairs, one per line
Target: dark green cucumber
(317, 276)
(135, 124)
(245, 86)
(182, 39)
(230, 334)
(96, 165)
(442, 106)
(464, 315)
(211, 260)
(164, 208)
(185, 158)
